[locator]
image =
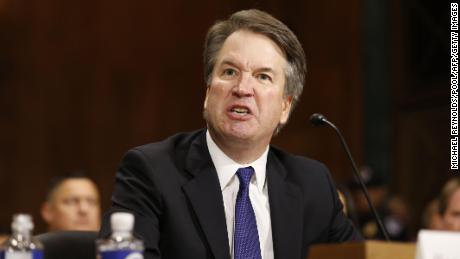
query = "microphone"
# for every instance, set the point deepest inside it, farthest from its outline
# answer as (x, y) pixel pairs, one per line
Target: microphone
(318, 119)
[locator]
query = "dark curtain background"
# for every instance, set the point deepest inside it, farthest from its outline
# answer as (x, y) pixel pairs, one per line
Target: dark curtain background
(83, 81)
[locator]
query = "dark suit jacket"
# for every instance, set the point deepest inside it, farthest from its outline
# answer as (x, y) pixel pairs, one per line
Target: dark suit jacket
(173, 189)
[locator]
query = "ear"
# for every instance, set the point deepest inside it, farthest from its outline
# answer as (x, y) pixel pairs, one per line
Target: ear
(47, 215)
(205, 104)
(285, 109)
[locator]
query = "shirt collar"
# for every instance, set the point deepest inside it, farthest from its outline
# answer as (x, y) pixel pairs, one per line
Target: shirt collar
(226, 168)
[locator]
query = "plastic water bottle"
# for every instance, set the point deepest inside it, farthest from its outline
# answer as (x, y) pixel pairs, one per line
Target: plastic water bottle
(121, 244)
(22, 245)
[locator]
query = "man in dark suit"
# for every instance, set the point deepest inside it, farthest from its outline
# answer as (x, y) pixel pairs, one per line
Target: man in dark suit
(224, 192)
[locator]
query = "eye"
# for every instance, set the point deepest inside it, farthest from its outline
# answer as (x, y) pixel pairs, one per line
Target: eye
(229, 72)
(264, 77)
(71, 201)
(92, 202)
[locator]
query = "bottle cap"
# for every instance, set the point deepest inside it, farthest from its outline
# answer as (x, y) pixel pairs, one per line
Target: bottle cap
(22, 222)
(122, 222)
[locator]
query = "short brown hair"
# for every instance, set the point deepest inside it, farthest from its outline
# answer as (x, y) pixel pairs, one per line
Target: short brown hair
(263, 23)
(57, 181)
(447, 191)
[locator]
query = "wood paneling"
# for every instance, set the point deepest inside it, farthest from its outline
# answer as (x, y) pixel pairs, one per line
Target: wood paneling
(83, 81)
(420, 97)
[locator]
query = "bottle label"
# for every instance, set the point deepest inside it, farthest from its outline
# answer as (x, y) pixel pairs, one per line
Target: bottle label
(36, 254)
(122, 254)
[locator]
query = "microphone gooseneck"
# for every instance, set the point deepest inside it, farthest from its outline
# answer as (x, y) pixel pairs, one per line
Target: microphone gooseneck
(318, 119)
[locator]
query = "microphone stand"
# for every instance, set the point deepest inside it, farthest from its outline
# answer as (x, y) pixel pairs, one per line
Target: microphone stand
(319, 119)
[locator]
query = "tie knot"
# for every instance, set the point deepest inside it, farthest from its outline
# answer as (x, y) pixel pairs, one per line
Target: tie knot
(245, 174)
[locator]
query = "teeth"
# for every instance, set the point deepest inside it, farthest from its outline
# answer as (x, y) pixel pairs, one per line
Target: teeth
(240, 110)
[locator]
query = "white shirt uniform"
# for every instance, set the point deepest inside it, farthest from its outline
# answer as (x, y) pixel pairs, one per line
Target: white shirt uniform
(258, 194)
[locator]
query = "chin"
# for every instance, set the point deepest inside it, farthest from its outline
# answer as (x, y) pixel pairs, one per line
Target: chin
(241, 134)
(87, 228)
(235, 131)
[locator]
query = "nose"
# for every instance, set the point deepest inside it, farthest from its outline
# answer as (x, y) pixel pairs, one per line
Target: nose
(244, 86)
(83, 207)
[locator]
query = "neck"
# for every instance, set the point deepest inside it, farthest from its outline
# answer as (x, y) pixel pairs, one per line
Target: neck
(240, 151)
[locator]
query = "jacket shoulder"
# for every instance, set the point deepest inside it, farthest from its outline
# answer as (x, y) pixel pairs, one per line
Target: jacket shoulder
(295, 163)
(171, 146)
(166, 155)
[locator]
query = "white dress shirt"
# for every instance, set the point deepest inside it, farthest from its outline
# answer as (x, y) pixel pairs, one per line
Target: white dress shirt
(258, 194)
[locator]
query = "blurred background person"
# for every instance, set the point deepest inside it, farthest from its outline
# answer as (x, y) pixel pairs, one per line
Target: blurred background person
(72, 203)
(391, 208)
(348, 204)
(4, 234)
(449, 205)
(431, 219)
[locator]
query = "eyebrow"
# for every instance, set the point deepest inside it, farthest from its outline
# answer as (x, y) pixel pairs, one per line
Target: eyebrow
(228, 62)
(262, 69)
(266, 69)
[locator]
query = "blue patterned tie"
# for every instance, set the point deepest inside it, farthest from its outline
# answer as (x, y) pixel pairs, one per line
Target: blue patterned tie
(246, 237)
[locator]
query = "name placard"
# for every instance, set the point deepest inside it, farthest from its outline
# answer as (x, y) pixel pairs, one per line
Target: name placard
(438, 245)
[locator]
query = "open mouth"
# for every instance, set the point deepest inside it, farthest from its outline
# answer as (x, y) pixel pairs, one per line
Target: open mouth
(240, 111)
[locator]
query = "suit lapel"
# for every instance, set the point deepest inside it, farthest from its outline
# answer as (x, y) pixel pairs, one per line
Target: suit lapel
(205, 196)
(286, 211)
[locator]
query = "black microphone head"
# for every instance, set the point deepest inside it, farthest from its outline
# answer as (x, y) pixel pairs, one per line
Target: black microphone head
(317, 119)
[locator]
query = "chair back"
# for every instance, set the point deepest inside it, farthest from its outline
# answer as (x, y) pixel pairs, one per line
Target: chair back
(69, 244)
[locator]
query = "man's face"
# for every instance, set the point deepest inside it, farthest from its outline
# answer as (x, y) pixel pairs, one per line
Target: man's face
(451, 216)
(245, 100)
(74, 205)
